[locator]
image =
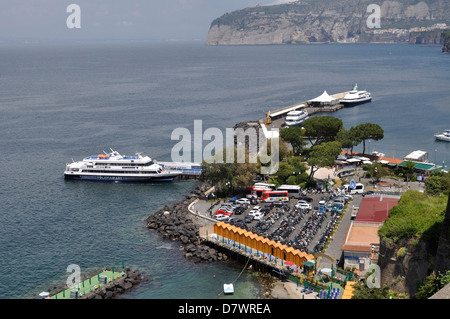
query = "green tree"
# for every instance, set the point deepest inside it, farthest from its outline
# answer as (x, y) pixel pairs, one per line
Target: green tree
(284, 172)
(368, 131)
(378, 170)
(323, 155)
(348, 138)
(294, 136)
(438, 182)
(322, 128)
(229, 176)
(432, 284)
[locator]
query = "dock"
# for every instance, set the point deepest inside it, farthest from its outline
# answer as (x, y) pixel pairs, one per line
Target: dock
(189, 170)
(277, 117)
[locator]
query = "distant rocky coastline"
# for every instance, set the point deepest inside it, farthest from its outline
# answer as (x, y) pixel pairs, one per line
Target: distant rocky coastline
(325, 21)
(446, 42)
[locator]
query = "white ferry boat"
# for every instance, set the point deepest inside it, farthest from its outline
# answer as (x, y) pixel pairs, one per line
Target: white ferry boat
(115, 167)
(355, 97)
(444, 136)
(296, 117)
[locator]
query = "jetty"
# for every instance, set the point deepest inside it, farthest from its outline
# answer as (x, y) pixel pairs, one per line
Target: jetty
(106, 284)
(321, 104)
(188, 170)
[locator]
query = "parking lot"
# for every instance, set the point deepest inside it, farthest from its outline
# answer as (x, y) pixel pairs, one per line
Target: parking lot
(303, 223)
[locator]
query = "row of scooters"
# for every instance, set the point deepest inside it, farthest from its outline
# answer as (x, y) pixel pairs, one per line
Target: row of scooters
(326, 233)
(288, 225)
(262, 227)
(308, 231)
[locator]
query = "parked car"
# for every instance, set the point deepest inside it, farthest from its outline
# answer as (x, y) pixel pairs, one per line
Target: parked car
(239, 210)
(277, 203)
(306, 198)
(244, 201)
(258, 216)
(233, 220)
(303, 206)
(249, 218)
(255, 210)
(240, 223)
(221, 217)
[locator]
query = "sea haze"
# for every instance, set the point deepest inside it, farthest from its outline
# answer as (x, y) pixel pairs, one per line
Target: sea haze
(59, 103)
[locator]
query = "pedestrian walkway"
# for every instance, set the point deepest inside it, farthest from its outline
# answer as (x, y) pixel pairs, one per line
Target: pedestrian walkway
(88, 285)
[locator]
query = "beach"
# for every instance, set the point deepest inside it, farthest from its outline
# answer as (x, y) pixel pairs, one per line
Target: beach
(289, 290)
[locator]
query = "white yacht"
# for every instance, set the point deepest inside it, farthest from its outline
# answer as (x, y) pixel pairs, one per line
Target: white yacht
(115, 167)
(355, 97)
(444, 136)
(296, 117)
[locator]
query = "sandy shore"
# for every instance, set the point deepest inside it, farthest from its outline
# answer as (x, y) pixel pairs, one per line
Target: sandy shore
(289, 290)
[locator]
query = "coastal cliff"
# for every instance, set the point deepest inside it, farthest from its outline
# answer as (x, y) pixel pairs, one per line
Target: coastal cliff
(319, 21)
(446, 42)
(415, 241)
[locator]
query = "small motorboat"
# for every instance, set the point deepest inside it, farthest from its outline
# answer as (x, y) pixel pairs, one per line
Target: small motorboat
(228, 289)
(444, 136)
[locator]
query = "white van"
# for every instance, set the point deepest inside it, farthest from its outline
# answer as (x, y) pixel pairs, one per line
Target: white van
(243, 201)
(359, 189)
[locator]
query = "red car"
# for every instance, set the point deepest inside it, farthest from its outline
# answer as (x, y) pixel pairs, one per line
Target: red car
(222, 215)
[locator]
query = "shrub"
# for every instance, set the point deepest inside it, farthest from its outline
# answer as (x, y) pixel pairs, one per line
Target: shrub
(416, 216)
(401, 252)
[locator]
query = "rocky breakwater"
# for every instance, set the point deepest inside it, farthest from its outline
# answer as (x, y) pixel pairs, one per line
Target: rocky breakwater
(175, 222)
(126, 283)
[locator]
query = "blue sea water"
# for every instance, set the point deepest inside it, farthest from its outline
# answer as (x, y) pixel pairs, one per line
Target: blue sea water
(64, 102)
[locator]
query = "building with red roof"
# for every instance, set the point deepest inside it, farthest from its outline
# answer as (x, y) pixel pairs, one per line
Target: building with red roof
(361, 243)
(375, 209)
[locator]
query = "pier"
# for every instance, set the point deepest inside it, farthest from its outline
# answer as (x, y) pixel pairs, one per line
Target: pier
(304, 275)
(106, 284)
(189, 170)
(277, 117)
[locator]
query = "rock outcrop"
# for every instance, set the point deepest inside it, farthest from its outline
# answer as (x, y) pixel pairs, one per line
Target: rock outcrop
(405, 264)
(443, 250)
(318, 21)
(130, 280)
(175, 222)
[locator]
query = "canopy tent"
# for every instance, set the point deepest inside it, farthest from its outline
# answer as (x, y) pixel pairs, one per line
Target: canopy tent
(324, 98)
(309, 263)
(419, 156)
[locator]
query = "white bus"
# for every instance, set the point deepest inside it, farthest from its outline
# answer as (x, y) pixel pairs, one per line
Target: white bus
(265, 185)
(256, 191)
(272, 196)
(293, 190)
